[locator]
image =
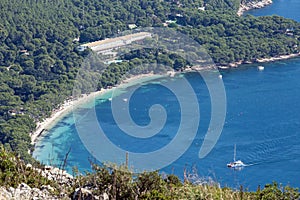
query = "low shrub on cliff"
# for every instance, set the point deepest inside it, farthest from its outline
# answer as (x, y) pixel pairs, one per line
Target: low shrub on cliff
(118, 182)
(121, 183)
(13, 172)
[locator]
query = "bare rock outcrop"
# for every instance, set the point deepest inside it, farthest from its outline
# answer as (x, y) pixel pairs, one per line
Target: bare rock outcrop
(249, 5)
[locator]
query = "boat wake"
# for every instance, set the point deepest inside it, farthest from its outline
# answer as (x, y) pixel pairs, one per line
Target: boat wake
(269, 151)
(252, 164)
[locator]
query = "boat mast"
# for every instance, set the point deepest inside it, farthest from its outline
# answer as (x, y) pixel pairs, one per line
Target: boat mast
(234, 152)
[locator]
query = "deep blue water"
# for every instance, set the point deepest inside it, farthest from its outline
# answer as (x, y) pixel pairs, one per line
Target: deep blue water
(287, 8)
(263, 120)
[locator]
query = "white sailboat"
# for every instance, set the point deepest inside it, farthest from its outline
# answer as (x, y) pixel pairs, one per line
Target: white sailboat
(236, 164)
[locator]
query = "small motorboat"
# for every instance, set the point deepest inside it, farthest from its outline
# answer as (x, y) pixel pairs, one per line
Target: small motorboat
(260, 68)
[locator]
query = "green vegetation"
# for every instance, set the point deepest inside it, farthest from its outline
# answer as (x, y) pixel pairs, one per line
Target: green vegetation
(121, 183)
(13, 172)
(230, 39)
(39, 61)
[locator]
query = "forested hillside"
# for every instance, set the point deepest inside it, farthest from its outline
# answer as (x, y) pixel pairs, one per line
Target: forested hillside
(39, 61)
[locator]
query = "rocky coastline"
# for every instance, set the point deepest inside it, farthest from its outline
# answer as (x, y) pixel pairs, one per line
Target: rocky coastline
(253, 5)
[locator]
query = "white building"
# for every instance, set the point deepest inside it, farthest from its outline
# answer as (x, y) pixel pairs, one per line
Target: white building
(113, 43)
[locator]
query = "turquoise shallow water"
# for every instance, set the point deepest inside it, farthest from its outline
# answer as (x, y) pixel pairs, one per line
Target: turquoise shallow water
(263, 119)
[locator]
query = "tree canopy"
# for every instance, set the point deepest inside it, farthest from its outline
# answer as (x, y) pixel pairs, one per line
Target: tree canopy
(39, 61)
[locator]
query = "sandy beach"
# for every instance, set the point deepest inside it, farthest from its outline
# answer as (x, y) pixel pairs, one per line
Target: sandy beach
(69, 105)
(64, 109)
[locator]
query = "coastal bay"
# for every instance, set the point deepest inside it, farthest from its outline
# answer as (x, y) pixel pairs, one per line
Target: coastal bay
(62, 111)
(71, 104)
(261, 121)
(252, 109)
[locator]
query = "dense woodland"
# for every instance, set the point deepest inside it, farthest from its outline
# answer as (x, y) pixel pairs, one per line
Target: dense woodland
(39, 61)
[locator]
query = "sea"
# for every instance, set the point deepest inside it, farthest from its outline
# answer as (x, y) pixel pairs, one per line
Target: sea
(262, 120)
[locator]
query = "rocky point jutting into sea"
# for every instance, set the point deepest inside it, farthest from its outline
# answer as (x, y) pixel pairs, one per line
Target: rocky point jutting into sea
(254, 4)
